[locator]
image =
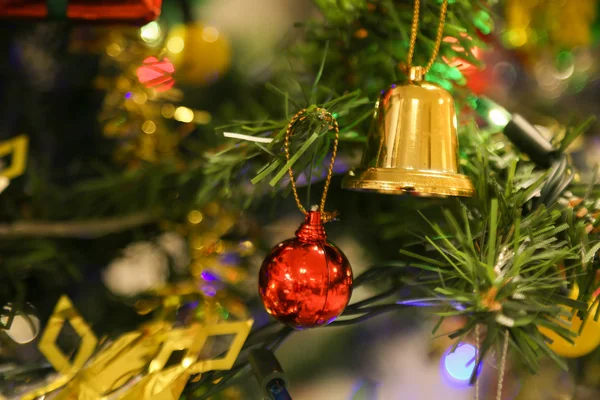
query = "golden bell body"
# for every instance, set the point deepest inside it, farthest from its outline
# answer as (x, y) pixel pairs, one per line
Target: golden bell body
(412, 145)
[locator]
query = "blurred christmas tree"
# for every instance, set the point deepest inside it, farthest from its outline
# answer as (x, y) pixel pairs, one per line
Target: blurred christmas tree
(149, 163)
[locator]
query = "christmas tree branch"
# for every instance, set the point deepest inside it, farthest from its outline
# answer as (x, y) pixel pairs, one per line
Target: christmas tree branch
(84, 229)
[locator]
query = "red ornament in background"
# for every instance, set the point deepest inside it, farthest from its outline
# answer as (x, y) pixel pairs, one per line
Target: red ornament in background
(156, 74)
(306, 281)
(127, 11)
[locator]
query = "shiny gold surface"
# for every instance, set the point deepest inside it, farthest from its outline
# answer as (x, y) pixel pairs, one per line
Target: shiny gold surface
(62, 362)
(412, 145)
(134, 366)
(16, 146)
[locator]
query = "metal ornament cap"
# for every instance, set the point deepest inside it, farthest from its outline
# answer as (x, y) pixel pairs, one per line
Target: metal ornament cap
(306, 281)
(412, 147)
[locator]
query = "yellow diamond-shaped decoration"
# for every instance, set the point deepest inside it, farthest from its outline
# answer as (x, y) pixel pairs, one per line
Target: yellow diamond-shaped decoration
(175, 340)
(239, 329)
(18, 147)
(64, 311)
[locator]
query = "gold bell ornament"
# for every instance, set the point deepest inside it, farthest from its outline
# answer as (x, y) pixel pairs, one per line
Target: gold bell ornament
(412, 147)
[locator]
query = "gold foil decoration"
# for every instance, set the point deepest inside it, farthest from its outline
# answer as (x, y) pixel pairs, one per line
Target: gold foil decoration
(110, 369)
(209, 251)
(143, 353)
(161, 383)
(241, 330)
(116, 364)
(148, 124)
(64, 311)
(16, 146)
(168, 383)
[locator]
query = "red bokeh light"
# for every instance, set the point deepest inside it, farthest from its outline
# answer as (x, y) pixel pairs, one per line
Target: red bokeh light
(156, 74)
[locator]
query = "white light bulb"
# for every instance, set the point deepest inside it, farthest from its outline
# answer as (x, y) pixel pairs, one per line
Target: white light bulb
(150, 32)
(24, 327)
(498, 117)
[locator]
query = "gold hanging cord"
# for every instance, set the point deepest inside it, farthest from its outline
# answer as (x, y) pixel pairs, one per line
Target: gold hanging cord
(325, 216)
(417, 72)
(502, 369)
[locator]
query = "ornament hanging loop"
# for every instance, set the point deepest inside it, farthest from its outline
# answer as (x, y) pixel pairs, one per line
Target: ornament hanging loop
(415, 74)
(414, 30)
(333, 125)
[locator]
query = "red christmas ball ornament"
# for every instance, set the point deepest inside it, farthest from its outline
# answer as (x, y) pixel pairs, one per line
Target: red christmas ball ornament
(157, 74)
(306, 281)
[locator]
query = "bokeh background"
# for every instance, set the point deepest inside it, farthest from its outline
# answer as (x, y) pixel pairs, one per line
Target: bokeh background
(542, 60)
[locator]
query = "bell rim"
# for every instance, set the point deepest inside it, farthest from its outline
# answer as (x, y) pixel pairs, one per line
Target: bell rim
(420, 183)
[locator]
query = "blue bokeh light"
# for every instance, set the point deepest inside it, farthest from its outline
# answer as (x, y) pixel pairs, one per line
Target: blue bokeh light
(458, 365)
(209, 276)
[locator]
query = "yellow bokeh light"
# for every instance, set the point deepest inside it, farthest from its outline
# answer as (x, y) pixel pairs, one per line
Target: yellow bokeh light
(140, 97)
(195, 217)
(197, 243)
(183, 114)
(113, 49)
(123, 84)
(196, 268)
(149, 127)
(206, 56)
(212, 209)
(152, 93)
(516, 37)
(202, 117)
(210, 34)
(168, 110)
(175, 44)
(246, 247)
(219, 247)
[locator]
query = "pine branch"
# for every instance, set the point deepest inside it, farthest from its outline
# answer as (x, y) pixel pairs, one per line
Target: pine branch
(84, 229)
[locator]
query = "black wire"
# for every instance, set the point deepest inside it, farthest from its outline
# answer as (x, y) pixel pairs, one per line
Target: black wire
(375, 308)
(257, 339)
(262, 328)
(557, 182)
(377, 311)
(370, 300)
(226, 378)
(558, 169)
(376, 273)
(224, 383)
(566, 180)
(273, 340)
(283, 334)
